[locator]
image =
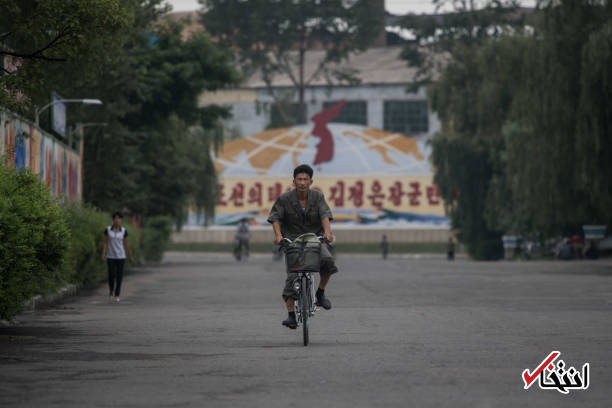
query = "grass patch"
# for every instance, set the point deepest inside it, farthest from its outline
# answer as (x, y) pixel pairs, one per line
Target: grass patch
(369, 248)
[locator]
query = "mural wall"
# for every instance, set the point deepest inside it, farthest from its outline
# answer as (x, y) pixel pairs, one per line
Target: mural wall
(23, 145)
(368, 176)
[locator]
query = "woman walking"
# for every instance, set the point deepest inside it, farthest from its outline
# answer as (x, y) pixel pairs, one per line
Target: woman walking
(115, 246)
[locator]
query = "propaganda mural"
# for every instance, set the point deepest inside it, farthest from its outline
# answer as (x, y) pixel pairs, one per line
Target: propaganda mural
(367, 175)
(22, 145)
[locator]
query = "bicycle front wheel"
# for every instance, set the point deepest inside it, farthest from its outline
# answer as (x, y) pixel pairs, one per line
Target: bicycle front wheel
(305, 309)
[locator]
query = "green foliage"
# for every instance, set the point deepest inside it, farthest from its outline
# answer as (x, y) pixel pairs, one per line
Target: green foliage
(156, 236)
(594, 146)
(275, 35)
(526, 120)
(134, 58)
(463, 173)
(154, 156)
(46, 35)
(181, 171)
(558, 135)
(34, 238)
(437, 36)
(44, 245)
(82, 262)
(473, 97)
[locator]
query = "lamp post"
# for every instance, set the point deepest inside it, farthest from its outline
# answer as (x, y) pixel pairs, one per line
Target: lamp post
(90, 124)
(82, 127)
(37, 111)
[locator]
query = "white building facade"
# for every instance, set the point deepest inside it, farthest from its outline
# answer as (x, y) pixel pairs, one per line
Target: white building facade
(381, 100)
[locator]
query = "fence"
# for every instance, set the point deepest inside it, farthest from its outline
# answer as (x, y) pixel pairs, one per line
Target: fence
(346, 235)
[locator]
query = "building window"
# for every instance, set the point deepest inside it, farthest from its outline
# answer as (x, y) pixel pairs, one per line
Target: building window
(353, 112)
(407, 117)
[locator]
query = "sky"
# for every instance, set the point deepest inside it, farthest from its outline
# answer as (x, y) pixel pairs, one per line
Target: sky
(393, 6)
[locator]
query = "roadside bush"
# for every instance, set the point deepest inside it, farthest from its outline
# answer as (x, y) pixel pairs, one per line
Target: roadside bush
(44, 246)
(135, 240)
(82, 263)
(155, 237)
(34, 238)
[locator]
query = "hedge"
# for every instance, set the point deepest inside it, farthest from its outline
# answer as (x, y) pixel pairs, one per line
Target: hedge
(34, 238)
(45, 245)
(156, 236)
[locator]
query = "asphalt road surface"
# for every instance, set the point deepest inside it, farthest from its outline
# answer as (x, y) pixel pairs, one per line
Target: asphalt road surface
(205, 331)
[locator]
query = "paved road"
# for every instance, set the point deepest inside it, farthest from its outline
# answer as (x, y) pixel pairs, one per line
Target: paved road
(204, 331)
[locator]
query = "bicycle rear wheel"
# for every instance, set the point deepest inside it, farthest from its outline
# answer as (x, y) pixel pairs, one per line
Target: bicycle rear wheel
(305, 309)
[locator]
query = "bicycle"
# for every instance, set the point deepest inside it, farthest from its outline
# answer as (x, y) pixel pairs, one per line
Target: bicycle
(303, 258)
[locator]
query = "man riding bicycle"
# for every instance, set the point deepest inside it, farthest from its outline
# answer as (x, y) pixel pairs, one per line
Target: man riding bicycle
(297, 212)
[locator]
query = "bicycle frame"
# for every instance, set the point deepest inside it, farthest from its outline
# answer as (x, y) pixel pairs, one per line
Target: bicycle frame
(304, 305)
(298, 285)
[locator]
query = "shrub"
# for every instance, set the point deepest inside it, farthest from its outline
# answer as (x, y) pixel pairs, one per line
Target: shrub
(44, 245)
(82, 263)
(34, 237)
(135, 240)
(156, 236)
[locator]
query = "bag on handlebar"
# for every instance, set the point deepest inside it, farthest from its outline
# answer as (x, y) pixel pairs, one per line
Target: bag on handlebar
(304, 254)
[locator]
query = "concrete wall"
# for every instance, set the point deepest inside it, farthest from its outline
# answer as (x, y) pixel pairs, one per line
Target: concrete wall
(365, 235)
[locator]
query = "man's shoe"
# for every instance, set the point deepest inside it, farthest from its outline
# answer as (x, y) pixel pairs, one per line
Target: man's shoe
(323, 301)
(290, 322)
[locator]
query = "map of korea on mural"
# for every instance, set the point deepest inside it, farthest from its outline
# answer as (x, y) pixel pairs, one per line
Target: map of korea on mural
(367, 175)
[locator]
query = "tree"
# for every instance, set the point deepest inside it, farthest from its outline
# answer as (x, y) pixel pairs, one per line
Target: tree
(38, 37)
(274, 36)
(473, 97)
(526, 117)
(594, 147)
(558, 140)
(470, 87)
(154, 157)
(437, 37)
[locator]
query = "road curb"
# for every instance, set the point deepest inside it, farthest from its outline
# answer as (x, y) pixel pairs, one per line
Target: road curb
(44, 301)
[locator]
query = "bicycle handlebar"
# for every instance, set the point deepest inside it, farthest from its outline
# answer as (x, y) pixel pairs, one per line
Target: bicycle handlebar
(287, 241)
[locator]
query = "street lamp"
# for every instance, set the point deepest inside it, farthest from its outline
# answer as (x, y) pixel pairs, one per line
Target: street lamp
(91, 124)
(37, 111)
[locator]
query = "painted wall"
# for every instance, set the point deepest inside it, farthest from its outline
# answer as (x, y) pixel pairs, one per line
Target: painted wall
(367, 175)
(23, 145)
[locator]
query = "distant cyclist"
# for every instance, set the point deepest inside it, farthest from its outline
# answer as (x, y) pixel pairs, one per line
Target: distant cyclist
(297, 212)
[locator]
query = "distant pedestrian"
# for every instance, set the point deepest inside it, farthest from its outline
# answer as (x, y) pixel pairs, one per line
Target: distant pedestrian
(529, 250)
(450, 249)
(384, 247)
(577, 246)
(566, 251)
(592, 252)
(242, 239)
(115, 246)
